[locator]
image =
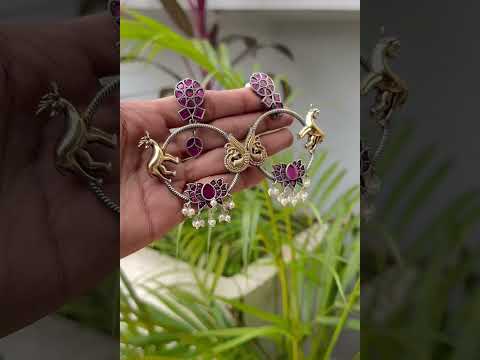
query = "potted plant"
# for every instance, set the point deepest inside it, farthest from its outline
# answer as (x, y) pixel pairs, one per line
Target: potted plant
(277, 283)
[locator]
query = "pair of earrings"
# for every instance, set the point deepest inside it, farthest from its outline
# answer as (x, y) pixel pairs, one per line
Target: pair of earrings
(289, 180)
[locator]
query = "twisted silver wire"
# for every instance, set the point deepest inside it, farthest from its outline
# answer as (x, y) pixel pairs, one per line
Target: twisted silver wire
(102, 94)
(193, 127)
(94, 186)
(381, 146)
(276, 112)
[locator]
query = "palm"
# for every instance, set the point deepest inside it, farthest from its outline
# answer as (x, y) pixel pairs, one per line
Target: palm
(47, 220)
(148, 209)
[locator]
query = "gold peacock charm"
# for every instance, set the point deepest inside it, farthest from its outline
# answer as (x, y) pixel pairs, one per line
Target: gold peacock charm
(238, 156)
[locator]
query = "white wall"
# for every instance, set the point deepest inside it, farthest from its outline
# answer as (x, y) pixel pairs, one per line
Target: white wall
(325, 71)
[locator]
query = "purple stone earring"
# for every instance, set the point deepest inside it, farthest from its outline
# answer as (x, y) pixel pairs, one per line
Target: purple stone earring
(197, 197)
(264, 87)
(290, 181)
(190, 95)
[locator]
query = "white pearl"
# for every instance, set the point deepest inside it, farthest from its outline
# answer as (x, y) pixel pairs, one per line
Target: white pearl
(306, 182)
(191, 212)
(201, 223)
(213, 203)
(184, 211)
(231, 205)
(304, 196)
(212, 223)
(221, 218)
(195, 224)
(284, 202)
(228, 218)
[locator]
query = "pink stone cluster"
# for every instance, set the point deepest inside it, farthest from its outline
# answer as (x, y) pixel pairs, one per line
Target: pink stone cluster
(190, 95)
(264, 87)
(202, 195)
(289, 174)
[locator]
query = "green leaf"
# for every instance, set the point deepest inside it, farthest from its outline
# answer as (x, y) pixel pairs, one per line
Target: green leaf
(178, 16)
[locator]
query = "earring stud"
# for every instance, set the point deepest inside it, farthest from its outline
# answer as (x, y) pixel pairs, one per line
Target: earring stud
(190, 95)
(264, 87)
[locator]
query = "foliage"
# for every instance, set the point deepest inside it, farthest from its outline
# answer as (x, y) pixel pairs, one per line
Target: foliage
(98, 309)
(415, 282)
(143, 39)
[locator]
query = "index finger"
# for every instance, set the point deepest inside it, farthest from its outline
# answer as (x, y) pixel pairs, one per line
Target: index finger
(217, 103)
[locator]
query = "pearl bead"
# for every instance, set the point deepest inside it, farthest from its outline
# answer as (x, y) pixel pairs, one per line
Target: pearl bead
(184, 211)
(191, 212)
(221, 218)
(213, 203)
(212, 223)
(231, 205)
(284, 202)
(228, 218)
(201, 223)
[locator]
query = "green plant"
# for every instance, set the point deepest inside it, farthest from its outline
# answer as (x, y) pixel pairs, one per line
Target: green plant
(319, 293)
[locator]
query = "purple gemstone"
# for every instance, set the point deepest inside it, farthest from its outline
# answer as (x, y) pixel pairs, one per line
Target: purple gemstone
(208, 192)
(182, 101)
(199, 112)
(196, 84)
(277, 97)
(194, 146)
(198, 100)
(292, 172)
(189, 92)
(180, 85)
(263, 83)
(178, 94)
(200, 92)
(188, 82)
(185, 114)
(268, 101)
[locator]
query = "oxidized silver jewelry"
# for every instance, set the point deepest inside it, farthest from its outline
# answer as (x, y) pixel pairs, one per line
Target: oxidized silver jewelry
(264, 87)
(291, 180)
(190, 95)
(197, 197)
(71, 153)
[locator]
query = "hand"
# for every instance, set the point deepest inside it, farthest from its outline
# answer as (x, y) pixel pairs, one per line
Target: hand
(148, 209)
(56, 240)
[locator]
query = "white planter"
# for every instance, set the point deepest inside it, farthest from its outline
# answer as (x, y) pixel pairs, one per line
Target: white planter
(256, 285)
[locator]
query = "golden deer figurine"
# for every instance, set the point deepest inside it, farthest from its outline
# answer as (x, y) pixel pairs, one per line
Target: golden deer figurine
(156, 166)
(311, 129)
